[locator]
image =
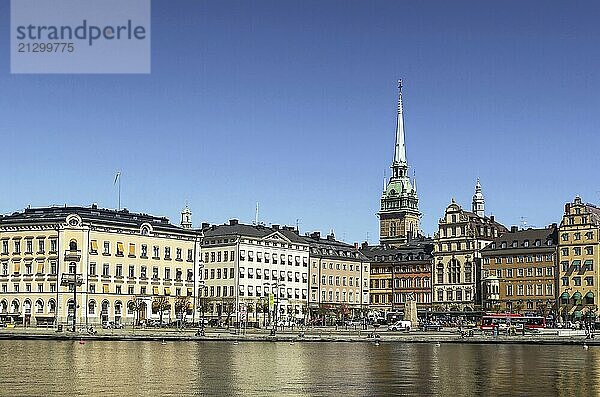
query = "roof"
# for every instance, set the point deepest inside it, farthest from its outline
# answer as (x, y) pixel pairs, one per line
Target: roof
(233, 228)
(420, 249)
(515, 241)
(329, 247)
(92, 214)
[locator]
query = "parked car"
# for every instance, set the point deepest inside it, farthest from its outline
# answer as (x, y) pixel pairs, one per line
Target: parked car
(402, 325)
(431, 327)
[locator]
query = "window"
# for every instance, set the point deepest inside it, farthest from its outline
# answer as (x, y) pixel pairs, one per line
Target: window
(167, 273)
(143, 272)
(178, 254)
(167, 253)
(53, 245)
(131, 271)
(92, 268)
(589, 281)
(5, 247)
(577, 236)
(156, 252)
(106, 269)
(577, 281)
(155, 272)
(29, 246)
(190, 254)
(118, 289)
(565, 281)
(106, 248)
(564, 252)
(17, 245)
(119, 271)
(144, 253)
(131, 290)
(589, 250)
(120, 249)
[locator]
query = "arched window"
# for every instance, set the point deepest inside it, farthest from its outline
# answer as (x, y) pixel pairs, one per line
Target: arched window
(14, 306)
(51, 306)
(39, 306)
(118, 308)
(92, 307)
(73, 245)
(105, 307)
(3, 306)
(27, 306)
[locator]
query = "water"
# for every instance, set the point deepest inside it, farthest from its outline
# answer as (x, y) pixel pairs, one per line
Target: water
(100, 368)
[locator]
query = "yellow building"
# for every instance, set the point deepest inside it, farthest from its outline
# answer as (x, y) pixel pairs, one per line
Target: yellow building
(338, 280)
(579, 250)
(117, 266)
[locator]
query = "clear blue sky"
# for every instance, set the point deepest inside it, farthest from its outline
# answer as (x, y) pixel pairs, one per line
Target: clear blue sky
(292, 104)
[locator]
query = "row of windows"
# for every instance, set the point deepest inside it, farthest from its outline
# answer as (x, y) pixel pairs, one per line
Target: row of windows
(131, 290)
(525, 243)
(340, 296)
(291, 260)
(577, 251)
(131, 273)
(339, 266)
(336, 280)
(399, 269)
(219, 256)
(120, 251)
(577, 236)
(455, 295)
(523, 272)
(530, 289)
(254, 291)
(15, 306)
(41, 246)
(588, 265)
(29, 268)
(519, 259)
(589, 281)
(265, 273)
(28, 288)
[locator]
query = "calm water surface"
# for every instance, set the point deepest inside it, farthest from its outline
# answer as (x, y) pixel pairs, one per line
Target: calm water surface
(98, 368)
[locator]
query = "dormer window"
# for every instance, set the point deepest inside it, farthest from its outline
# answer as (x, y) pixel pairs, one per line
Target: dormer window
(515, 244)
(526, 243)
(503, 245)
(538, 243)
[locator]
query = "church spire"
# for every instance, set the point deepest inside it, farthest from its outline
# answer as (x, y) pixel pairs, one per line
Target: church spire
(478, 206)
(399, 166)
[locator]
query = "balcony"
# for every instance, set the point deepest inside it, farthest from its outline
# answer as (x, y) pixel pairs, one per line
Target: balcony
(68, 279)
(73, 255)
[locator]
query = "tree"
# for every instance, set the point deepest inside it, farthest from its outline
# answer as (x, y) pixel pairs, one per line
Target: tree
(136, 306)
(204, 305)
(160, 304)
(182, 307)
(228, 308)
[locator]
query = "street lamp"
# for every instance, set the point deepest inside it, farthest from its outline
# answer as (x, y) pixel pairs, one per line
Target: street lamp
(276, 285)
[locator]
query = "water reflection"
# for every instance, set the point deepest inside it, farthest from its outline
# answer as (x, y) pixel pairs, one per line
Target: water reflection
(55, 368)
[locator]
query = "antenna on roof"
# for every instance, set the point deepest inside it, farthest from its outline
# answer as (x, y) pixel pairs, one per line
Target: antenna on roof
(297, 224)
(118, 179)
(256, 214)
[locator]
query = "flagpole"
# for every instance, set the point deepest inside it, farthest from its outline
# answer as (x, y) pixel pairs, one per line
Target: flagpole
(119, 192)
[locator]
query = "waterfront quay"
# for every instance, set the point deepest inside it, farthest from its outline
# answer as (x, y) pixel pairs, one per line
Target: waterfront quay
(310, 334)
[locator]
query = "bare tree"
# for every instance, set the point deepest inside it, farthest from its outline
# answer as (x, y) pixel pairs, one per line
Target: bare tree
(136, 306)
(182, 307)
(160, 304)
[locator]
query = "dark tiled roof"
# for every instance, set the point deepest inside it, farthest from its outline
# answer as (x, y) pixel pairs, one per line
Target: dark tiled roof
(329, 247)
(122, 218)
(414, 250)
(520, 236)
(258, 231)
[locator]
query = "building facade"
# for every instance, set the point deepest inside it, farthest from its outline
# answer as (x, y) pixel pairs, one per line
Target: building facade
(579, 250)
(399, 213)
(519, 273)
(338, 279)
(252, 271)
(96, 265)
(399, 273)
(457, 259)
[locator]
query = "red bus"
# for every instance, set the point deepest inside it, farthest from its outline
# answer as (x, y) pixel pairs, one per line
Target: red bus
(504, 320)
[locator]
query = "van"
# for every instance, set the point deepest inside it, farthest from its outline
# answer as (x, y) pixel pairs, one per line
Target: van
(402, 325)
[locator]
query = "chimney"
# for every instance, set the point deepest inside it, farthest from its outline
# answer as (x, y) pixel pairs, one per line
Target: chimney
(94, 206)
(275, 227)
(233, 222)
(331, 237)
(213, 227)
(514, 229)
(492, 218)
(315, 235)
(365, 245)
(356, 245)
(567, 208)
(205, 225)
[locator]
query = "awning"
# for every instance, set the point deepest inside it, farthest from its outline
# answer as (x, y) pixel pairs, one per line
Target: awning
(119, 248)
(577, 314)
(40, 268)
(105, 288)
(577, 295)
(564, 295)
(155, 290)
(132, 249)
(94, 246)
(589, 295)
(167, 291)
(17, 267)
(576, 262)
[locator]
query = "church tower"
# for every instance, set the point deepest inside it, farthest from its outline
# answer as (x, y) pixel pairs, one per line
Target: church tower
(186, 218)
(478, 206)
(399, 213)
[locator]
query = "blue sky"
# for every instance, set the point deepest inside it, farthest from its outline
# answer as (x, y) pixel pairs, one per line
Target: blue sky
(292, 104)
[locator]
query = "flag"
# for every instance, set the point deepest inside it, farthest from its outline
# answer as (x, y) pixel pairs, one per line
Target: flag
(117, 177)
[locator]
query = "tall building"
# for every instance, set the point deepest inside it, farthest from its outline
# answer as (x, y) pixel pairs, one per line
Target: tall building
(579, 255)
(96, 265)
(338, 279)
(519, 271)
(457, 259)
(400, 273)
(252, 270)
(399, 213)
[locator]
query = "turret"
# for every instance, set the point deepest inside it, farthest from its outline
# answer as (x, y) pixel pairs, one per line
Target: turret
(478, 206)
